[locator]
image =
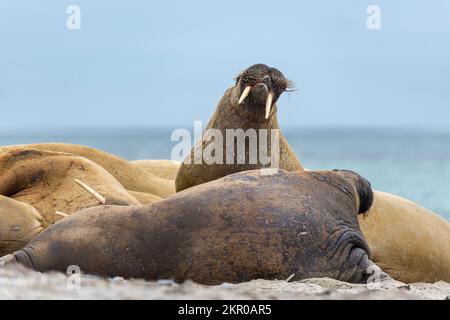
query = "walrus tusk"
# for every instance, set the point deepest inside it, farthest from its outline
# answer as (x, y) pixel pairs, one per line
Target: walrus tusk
(244, 94)
(96, 195)
(268, 105)
(61, 214)
(290, 277)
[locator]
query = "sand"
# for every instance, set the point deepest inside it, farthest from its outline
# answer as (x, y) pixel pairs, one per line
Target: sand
(16, 282)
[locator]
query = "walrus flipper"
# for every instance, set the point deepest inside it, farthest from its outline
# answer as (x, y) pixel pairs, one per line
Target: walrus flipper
(8, 259)
(377, 278)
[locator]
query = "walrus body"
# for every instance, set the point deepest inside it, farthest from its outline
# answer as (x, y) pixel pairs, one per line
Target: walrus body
(267, 224)
(166, 169)
(48, 182)
(19, 224)
(131, 177)
(144, 198)
(249, 114)
(410, 243)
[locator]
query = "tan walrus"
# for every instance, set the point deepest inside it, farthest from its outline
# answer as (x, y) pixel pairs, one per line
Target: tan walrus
(166, 169)
(58, 184)
(130, 176)
(144, 198)
(249, 104)
(410, 242)
(19, 224)
(262, 224)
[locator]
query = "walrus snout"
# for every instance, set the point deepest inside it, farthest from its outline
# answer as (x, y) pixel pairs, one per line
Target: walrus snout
(261, 85)
(259, 93)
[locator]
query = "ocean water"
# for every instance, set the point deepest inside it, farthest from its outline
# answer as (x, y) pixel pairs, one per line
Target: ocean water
(412, 163)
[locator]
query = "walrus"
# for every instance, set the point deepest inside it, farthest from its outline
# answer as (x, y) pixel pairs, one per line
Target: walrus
(144, 198)
(166, 169)
(58, 184)
(130, 176)
(249, 104)
(19, 224)
(409, 242)
(261, 224)
(399, 232)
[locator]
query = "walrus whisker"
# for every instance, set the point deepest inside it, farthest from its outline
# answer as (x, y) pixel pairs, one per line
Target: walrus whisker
(269, 104)
(96, 195)
(290, 86)
(244, 94)
(61, 214)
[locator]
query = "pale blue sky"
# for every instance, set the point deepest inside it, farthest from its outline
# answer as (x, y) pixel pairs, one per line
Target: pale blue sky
(150, 63)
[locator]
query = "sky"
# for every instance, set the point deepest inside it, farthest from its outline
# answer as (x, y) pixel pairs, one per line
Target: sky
(167, 63)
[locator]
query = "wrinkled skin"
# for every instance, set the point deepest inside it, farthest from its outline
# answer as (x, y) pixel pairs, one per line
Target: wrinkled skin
(19, 224)
(250, 114)
(131, 177)
(265, 224)
(46, 181)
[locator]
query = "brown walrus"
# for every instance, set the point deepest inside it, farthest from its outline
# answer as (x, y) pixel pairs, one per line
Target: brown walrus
(249, 104)
(58, 184)
(262, 224)
(410, 242)
(130, 176)
(19, 224)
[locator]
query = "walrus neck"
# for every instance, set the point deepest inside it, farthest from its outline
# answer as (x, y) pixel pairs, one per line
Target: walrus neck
(230, 115)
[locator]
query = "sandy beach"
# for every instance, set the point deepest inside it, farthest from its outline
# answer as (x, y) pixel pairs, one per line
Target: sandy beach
(17, 282)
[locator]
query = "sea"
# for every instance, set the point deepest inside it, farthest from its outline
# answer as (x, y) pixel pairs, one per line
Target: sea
(412, 163)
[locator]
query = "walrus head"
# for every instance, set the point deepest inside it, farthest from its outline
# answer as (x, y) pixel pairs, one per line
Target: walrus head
(259, 87)
(363, 189)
